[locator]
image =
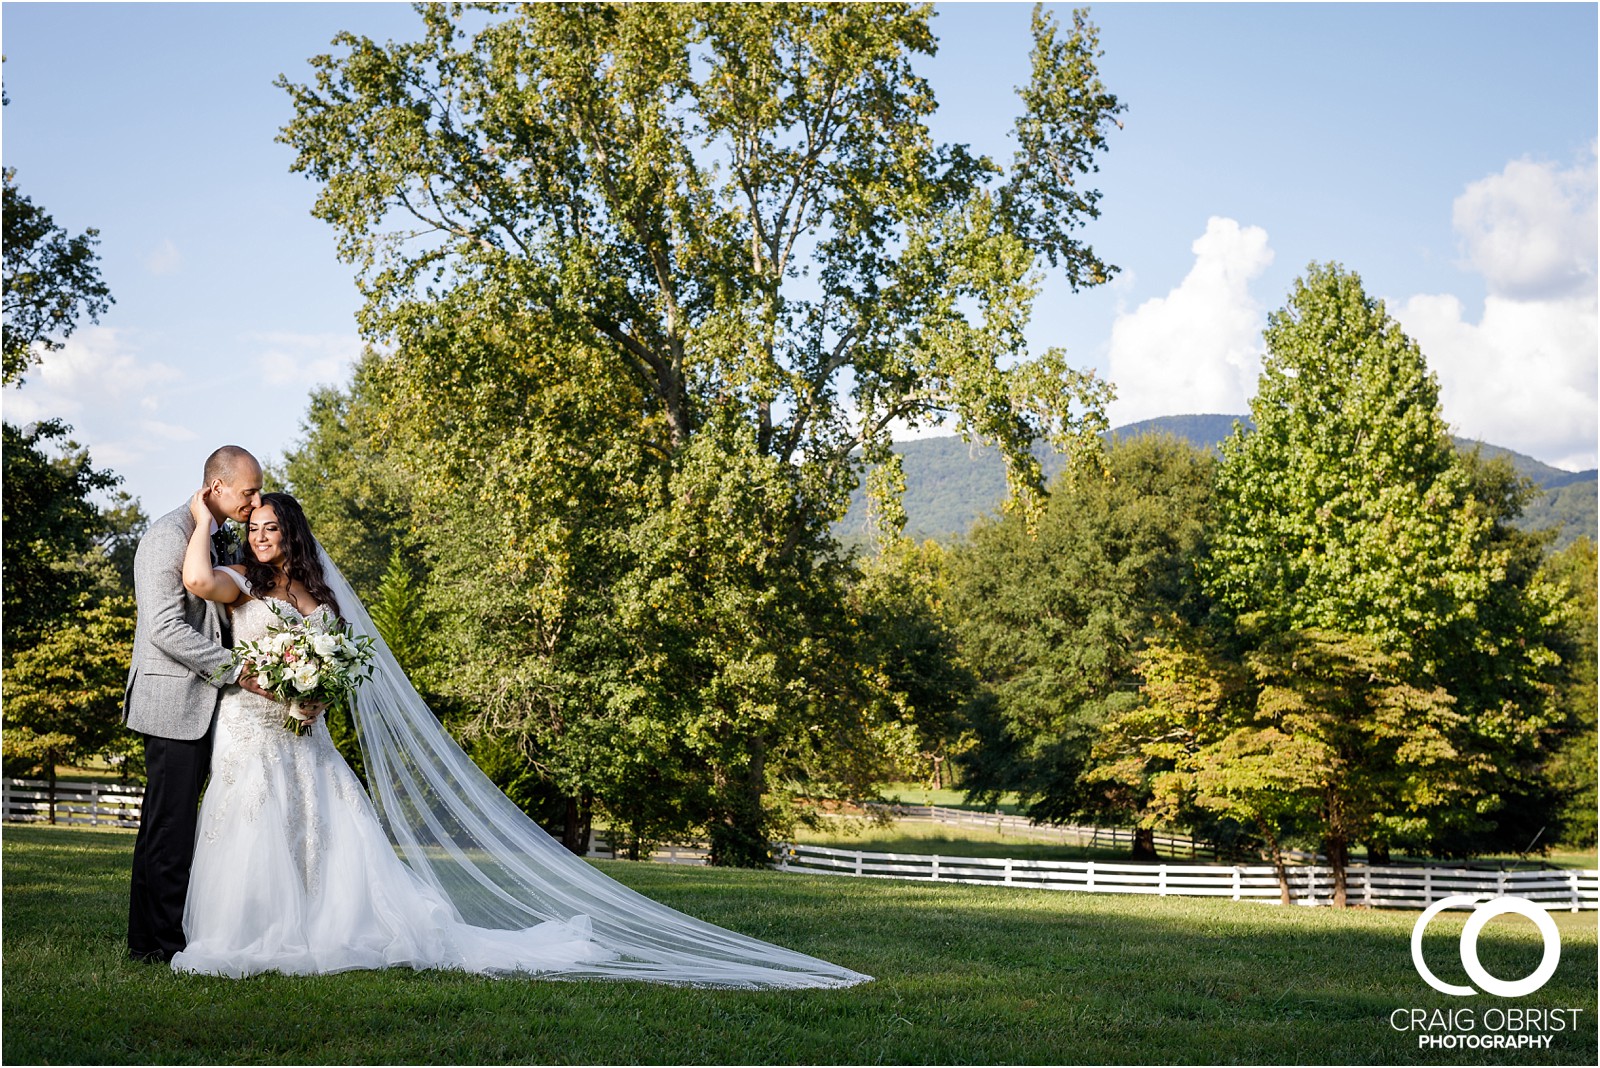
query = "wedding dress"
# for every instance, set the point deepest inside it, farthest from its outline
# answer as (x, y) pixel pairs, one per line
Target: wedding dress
(298, 870)
(293, 873)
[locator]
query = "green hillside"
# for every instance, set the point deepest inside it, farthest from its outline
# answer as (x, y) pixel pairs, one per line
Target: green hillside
(950, 483)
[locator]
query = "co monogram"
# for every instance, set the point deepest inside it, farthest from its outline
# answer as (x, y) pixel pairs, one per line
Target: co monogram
(1481, 915)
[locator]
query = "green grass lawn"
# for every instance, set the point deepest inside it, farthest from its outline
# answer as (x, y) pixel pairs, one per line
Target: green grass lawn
(964, 975)
(915, 793)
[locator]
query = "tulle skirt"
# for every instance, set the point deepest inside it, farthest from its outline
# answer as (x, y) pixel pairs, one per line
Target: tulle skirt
(293, 872)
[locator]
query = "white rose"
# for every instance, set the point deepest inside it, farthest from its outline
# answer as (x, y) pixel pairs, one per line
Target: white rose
(304, 676)
(325, 644)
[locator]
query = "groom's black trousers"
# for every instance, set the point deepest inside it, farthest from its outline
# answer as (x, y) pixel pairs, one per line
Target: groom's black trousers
(163, 852)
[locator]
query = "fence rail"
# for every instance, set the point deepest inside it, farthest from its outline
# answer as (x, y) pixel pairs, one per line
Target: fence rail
(1093, 837)
(600, 849)
(112, 805)
(1168, 844)
(1379, 887)
(89, 804)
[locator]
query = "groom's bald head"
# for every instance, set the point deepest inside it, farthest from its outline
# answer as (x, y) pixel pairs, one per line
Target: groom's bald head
(230, 462)
(233, 478)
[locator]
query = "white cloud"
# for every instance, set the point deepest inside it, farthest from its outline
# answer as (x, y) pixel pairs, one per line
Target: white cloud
(1198, 349)
(167, 431)
(305, 360)
(1530, 230)
(1524, 375)
(101, 384)
(97, 372)
(164, 260)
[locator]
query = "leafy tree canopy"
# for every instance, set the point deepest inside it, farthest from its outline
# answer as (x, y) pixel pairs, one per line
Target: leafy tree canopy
(1573, 572)
(1052, 623)
(1347, 510)
(51, 281)
(64, 692)
(657, 279)
(61, 551)
(731, 204)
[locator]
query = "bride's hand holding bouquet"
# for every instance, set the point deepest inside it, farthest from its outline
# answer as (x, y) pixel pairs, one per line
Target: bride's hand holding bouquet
(306, 661)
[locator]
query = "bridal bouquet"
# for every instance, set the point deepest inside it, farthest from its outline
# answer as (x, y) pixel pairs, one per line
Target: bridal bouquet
(307, 660)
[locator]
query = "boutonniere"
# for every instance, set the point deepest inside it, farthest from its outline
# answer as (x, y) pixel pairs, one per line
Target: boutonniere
(225, 541)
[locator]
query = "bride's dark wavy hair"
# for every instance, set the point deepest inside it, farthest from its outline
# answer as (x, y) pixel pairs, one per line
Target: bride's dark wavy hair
(304, 566)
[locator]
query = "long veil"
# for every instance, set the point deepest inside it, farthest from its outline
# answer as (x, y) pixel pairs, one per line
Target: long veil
(500, 870)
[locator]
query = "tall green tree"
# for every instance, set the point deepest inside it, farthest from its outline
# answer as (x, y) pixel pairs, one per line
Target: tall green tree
(347, 474)
(60, 549)
(658, 279)
(1346, 509)
(1314, 733)
(51, 281)
(1052, 620)
(1572, 766)
(68, 604)
(901, 601)
(64, 692)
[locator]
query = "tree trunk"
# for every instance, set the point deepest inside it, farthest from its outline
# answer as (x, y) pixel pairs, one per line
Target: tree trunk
(1338, 851)
(739, 832)
(575, 827)
(1144, 844)
(1275, 852)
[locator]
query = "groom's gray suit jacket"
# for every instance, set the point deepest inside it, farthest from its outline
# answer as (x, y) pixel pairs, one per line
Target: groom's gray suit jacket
(177, 643)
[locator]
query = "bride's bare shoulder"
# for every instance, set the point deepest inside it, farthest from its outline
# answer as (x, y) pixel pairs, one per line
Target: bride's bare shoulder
(236, 573)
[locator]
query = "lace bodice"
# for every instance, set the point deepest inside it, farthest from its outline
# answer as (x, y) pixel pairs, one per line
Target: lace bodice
(254, 750)
(253, 619)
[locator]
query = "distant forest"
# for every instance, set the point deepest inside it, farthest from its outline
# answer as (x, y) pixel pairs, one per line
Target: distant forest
(950, 483)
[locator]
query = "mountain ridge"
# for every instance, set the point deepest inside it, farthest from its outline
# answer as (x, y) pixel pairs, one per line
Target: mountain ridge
(951, 483)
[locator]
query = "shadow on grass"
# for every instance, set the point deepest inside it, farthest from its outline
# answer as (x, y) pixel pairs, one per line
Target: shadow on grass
(964, 974)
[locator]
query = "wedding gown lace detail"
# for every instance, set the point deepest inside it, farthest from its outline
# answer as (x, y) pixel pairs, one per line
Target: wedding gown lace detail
(293, 872)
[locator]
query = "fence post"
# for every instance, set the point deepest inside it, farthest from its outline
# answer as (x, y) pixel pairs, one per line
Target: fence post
(1236, 874)
(1427, 886)
(1572, 886)
(1008, 869)
(1161, 882)
(935, 875)
(858, 862)
(1089, 885)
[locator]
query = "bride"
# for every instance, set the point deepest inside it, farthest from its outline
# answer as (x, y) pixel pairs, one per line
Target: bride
(298, 870)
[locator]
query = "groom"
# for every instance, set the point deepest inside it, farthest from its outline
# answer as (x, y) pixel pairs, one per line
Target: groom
(172, 694)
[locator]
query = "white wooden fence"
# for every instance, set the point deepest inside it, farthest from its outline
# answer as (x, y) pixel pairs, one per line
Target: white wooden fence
(1092, 837)
(85, 803)
(1172, 845)
(111, 805)
(600, 849)
(1382, 887)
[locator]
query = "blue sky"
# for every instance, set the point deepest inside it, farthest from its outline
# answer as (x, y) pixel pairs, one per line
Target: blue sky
(1446, 152)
